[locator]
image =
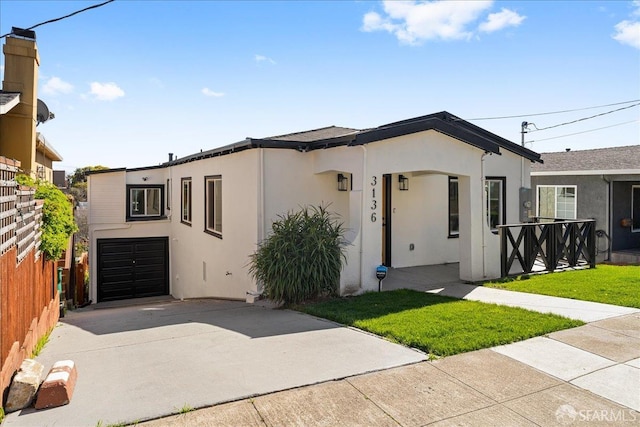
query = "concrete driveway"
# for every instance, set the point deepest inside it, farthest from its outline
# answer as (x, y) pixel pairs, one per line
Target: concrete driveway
(145, 361)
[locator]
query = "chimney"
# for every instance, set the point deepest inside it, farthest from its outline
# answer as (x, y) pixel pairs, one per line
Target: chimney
(170, 157)
(567, 149)
(18, 126)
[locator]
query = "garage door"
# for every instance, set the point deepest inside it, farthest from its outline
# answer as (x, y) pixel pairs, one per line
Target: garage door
(132, 268)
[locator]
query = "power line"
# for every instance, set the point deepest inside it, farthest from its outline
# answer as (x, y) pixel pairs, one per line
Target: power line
(582, 119)
(95, 6)
(586, 131)
(553, 112)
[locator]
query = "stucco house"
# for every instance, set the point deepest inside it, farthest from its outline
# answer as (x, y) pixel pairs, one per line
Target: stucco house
(601, 184)
(423, 191)
(20, 109)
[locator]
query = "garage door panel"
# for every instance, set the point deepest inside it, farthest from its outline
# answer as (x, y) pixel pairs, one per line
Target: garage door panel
(132, 268)
(151, 261)
(115, 250)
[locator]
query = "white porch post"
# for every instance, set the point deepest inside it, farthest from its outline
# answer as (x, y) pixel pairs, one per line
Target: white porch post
(471, 227)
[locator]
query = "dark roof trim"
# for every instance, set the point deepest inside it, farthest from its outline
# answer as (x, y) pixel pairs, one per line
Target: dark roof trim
(448, 124)
(144, 168)
(442, 122)
(423, 124)
(96, 172)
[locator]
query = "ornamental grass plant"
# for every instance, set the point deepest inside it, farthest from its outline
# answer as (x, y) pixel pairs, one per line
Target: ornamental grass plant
(302, 258)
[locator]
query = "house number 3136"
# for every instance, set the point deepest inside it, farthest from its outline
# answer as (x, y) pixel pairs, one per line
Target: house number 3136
(374, 202)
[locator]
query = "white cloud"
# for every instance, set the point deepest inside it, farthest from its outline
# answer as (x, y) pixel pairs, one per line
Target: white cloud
(208, 92)
(55, 86)
(262, 58)
(106, 91)
(414, 22)
(500, 20)
(628, 32)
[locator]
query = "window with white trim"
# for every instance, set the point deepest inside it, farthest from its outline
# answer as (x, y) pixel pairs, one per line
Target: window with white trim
(144, 202)
(213, 205)
(557, 201)
(635, 208)
(495, 192)
(185, 201)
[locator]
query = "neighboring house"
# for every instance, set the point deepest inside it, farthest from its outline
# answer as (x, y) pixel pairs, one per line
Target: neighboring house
(21, 110)
(423, 191)
(601, 184)
(29, 301)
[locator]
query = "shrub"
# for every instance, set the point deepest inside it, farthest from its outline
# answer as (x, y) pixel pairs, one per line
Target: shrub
(57, 220)
(57, 216)
(302, 258)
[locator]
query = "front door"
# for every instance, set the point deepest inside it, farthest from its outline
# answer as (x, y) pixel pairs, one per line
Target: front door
(386, 220)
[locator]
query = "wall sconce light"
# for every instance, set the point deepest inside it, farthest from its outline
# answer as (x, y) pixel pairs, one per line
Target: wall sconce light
(343, 182)
(403, 183)
(144, 178)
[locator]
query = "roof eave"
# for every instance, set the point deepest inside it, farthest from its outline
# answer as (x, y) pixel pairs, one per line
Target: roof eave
(8, 106)
(424, 124)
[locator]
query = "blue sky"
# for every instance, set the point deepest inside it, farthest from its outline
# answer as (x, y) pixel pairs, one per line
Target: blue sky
(134, 80)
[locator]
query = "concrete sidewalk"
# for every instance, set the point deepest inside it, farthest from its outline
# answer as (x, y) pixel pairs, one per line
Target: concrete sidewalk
(147, 361)
(583, 376)
(444, 280)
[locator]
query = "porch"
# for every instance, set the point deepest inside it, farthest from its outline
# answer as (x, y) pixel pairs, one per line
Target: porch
(422, 277)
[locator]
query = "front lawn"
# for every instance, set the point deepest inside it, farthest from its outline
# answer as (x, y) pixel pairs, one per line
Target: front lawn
(435, 324)
(609, 284)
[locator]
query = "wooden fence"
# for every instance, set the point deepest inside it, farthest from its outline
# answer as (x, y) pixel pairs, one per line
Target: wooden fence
(29, 302)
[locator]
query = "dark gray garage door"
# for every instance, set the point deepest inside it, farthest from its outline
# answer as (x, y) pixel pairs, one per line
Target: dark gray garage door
(132, 268)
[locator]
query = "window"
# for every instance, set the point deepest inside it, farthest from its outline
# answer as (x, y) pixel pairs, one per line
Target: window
(144, 202)
(186, 201)
(213, 205)
(495, 192)
(557, 201)
(635, 208)
(454, 221)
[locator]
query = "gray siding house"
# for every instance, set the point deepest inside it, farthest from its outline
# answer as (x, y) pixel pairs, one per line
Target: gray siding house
(601, 184)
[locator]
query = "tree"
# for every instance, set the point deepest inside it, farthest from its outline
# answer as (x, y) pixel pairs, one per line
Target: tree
(57, 217)
(78, 181)
(302, 258)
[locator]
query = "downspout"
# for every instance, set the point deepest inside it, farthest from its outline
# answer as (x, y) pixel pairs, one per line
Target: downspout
(609, 216)
(261, 232)
(362, 219)
(484, 214)
(253, 295)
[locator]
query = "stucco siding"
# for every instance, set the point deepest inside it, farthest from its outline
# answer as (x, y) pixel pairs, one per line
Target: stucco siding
(592, 201)
(420, 222)
(107, 198)
(414, 155)
(204, 265)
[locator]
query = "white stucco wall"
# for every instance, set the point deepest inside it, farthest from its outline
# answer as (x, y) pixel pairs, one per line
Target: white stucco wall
(428, 152)
(107, 195)
(420, 216)
(516, 170)
(203, 265)
(260, 184)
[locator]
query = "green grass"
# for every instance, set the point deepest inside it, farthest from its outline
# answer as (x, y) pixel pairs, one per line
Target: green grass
(186, 408)
(609, 284)
(437, 325)
(40, 344)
